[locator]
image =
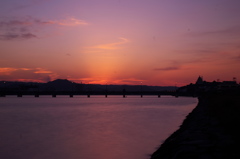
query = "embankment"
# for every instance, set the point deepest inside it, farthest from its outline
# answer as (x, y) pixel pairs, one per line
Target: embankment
(210, 131)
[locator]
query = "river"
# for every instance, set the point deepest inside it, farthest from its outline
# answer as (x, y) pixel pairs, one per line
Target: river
(88, 128)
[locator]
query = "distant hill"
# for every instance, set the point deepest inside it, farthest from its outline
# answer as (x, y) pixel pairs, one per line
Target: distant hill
(64, 85)
(61, 85)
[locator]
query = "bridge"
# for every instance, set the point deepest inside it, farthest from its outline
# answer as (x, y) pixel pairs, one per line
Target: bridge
(71, 94)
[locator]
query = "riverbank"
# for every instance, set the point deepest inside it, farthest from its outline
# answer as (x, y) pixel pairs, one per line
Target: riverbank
(210, 131)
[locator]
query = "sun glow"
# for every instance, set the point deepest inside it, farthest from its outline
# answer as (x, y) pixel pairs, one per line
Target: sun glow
(154, 42)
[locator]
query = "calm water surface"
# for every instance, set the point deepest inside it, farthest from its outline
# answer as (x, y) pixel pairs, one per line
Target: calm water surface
(88, 128)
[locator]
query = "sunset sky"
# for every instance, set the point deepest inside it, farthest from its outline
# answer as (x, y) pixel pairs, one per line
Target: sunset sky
(153, 42)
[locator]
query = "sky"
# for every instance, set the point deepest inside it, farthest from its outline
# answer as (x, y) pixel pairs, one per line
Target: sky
(150, 42)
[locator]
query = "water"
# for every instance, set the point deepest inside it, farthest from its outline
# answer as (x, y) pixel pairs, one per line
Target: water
(88, 128)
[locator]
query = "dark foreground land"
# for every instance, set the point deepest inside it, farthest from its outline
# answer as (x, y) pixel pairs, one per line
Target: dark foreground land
(210, 131)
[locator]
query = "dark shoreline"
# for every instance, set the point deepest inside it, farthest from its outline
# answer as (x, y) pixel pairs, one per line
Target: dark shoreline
(210, 131)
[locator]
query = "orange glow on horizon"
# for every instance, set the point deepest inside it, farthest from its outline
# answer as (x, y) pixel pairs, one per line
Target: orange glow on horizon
(153, 42)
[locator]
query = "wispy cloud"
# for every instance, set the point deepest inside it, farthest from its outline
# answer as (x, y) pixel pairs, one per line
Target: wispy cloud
(233, 31)
(43, 71)
(11, 36)
(102, 80)
(171, 68)
(131, 81)
(180, 64)
(7, 70)
(25, 28)
(26, 74)
(238, 57)
(111, 46)
(68, 22)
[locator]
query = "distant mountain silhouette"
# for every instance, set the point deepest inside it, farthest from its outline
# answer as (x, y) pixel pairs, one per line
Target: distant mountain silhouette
(61, 85)
(64, 86)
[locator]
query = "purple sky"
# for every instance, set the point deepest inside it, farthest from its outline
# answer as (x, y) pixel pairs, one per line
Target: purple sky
(156, 42)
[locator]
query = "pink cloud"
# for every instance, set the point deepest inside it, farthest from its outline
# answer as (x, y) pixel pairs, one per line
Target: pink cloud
(6, 70)
(111, 46)
(27, 74)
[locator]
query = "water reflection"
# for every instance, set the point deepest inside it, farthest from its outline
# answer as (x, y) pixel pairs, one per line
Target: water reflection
(103, 128)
